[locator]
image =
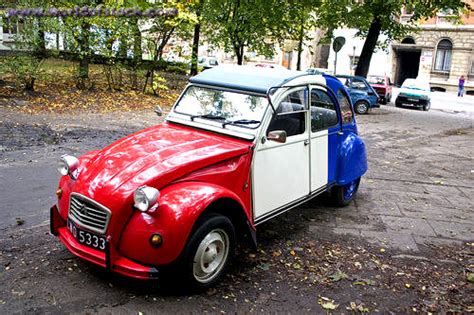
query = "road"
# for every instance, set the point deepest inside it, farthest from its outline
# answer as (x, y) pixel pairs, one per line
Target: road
(413, 213)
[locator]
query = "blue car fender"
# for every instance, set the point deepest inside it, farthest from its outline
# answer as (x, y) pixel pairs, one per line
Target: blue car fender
(352, 159)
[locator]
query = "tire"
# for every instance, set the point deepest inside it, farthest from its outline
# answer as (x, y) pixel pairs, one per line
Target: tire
(206, 256)
(397, 103)
(341, 196)
(361, 107)
(427, 107)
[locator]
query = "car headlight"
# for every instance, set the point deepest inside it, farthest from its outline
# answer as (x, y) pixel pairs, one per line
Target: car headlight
(68, 165)
(145, 197)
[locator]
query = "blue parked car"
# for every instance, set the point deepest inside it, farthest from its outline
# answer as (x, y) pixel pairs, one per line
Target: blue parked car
(363, 96)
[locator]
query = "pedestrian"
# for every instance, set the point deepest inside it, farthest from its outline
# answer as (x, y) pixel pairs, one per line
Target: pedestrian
(461, 86)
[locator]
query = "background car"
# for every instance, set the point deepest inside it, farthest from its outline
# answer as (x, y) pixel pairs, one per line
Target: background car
(208, 62)
(363, 96)
(383, 86)
(414, 93)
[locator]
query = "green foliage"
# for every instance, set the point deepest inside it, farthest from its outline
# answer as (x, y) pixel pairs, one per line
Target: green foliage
(360, 14)
(234, 25)
(25, 69)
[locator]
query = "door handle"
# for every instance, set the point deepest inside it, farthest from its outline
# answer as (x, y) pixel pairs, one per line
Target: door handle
(340, 133)
(306, 142)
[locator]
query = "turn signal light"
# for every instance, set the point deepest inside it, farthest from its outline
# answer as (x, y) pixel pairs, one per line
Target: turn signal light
(59, 192)
(156, 240)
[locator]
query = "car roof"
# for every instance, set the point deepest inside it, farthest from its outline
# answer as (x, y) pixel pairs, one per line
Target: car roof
(246, 78)
(350, 76)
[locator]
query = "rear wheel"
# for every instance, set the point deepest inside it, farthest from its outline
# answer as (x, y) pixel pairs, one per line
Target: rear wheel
(206, 255)
(342, 195)
(362, 107)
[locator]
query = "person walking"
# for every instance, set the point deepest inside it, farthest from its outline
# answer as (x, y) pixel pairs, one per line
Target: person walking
(461, 86)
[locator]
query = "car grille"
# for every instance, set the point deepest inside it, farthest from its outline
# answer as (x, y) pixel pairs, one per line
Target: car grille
(88, 213)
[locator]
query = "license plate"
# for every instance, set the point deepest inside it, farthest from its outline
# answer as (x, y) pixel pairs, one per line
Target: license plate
(86, 238)
(412, 100)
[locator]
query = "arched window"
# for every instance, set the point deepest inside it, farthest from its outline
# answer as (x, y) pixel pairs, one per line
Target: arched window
(408, 40)
(444, 52)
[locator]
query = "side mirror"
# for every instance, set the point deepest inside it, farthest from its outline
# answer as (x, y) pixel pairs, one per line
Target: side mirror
(277, 136)
(158, 110)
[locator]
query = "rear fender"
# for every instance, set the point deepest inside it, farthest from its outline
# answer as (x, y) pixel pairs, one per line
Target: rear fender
(180, 206)
(352, 159)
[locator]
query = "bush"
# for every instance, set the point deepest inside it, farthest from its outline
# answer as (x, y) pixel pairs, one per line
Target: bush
(24, 69)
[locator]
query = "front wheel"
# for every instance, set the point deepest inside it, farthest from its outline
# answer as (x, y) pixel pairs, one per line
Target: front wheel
(206, 255)
(427, 107)
(342, 195)
(361, 108)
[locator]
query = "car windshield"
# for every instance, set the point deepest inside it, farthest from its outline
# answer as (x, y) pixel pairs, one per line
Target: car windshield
(376, 80)
(415, 85)
(223, 106)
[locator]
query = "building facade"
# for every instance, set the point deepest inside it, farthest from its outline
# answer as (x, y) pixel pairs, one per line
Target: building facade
(440, 52)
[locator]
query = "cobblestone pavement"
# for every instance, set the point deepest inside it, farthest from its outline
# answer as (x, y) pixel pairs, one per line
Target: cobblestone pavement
(417, 194)
(420, 185)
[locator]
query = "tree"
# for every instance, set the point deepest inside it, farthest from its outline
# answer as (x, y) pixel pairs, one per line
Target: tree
(236, 25)
(375, 17)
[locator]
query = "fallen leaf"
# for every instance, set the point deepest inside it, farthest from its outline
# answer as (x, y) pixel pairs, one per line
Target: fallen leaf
(327, 304)
(337, 276)
(470, 277)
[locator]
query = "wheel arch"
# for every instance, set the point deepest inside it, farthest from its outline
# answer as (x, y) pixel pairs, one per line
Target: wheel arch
(233, 210)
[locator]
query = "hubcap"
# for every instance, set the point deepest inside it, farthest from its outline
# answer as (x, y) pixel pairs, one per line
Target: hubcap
(362, 108)
(211, 256)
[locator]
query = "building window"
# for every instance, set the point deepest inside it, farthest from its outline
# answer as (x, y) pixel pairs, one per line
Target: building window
(471, 72)
(444, 52)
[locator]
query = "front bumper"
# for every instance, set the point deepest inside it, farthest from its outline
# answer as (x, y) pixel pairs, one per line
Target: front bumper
(110, 259)
(411, 101)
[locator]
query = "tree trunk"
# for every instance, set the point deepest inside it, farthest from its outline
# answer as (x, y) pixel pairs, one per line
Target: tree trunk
(137, 41)
(369, 47)
(300, 47)
(195, 55)
(40, 43)
(137, 52)
(239, 52)
(83, 70)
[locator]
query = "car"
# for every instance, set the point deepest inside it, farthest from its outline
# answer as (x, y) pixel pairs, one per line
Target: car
(240, 146)
(414, 93)
(363, 96)
(382, 86)
(207, 62)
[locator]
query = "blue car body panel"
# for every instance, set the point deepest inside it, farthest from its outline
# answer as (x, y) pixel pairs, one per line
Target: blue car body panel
(347, 154)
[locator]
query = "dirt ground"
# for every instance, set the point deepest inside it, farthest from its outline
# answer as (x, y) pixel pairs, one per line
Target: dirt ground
(406, 244)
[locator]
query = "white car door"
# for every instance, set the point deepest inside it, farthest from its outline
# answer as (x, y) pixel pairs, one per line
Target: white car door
(280, 171)
(324, 122)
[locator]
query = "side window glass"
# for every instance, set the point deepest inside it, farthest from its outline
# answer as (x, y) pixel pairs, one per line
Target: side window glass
(323, 111)
(358, 84)
(345, 104)
(290, 115)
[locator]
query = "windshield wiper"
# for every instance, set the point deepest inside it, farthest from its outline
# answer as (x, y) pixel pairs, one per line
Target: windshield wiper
(241, 122)
(208, 116)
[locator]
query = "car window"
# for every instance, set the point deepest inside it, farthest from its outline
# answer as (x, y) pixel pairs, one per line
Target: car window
(290, 115)
(345, 104)
(323, 111)
(345, 81)
(213, 62)
(358, 84)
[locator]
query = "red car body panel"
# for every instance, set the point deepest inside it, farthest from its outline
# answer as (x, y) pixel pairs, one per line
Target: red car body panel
(384, 90)
(190, 167)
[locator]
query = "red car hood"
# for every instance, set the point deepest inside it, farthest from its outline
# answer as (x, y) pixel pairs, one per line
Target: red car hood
(155, 156)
